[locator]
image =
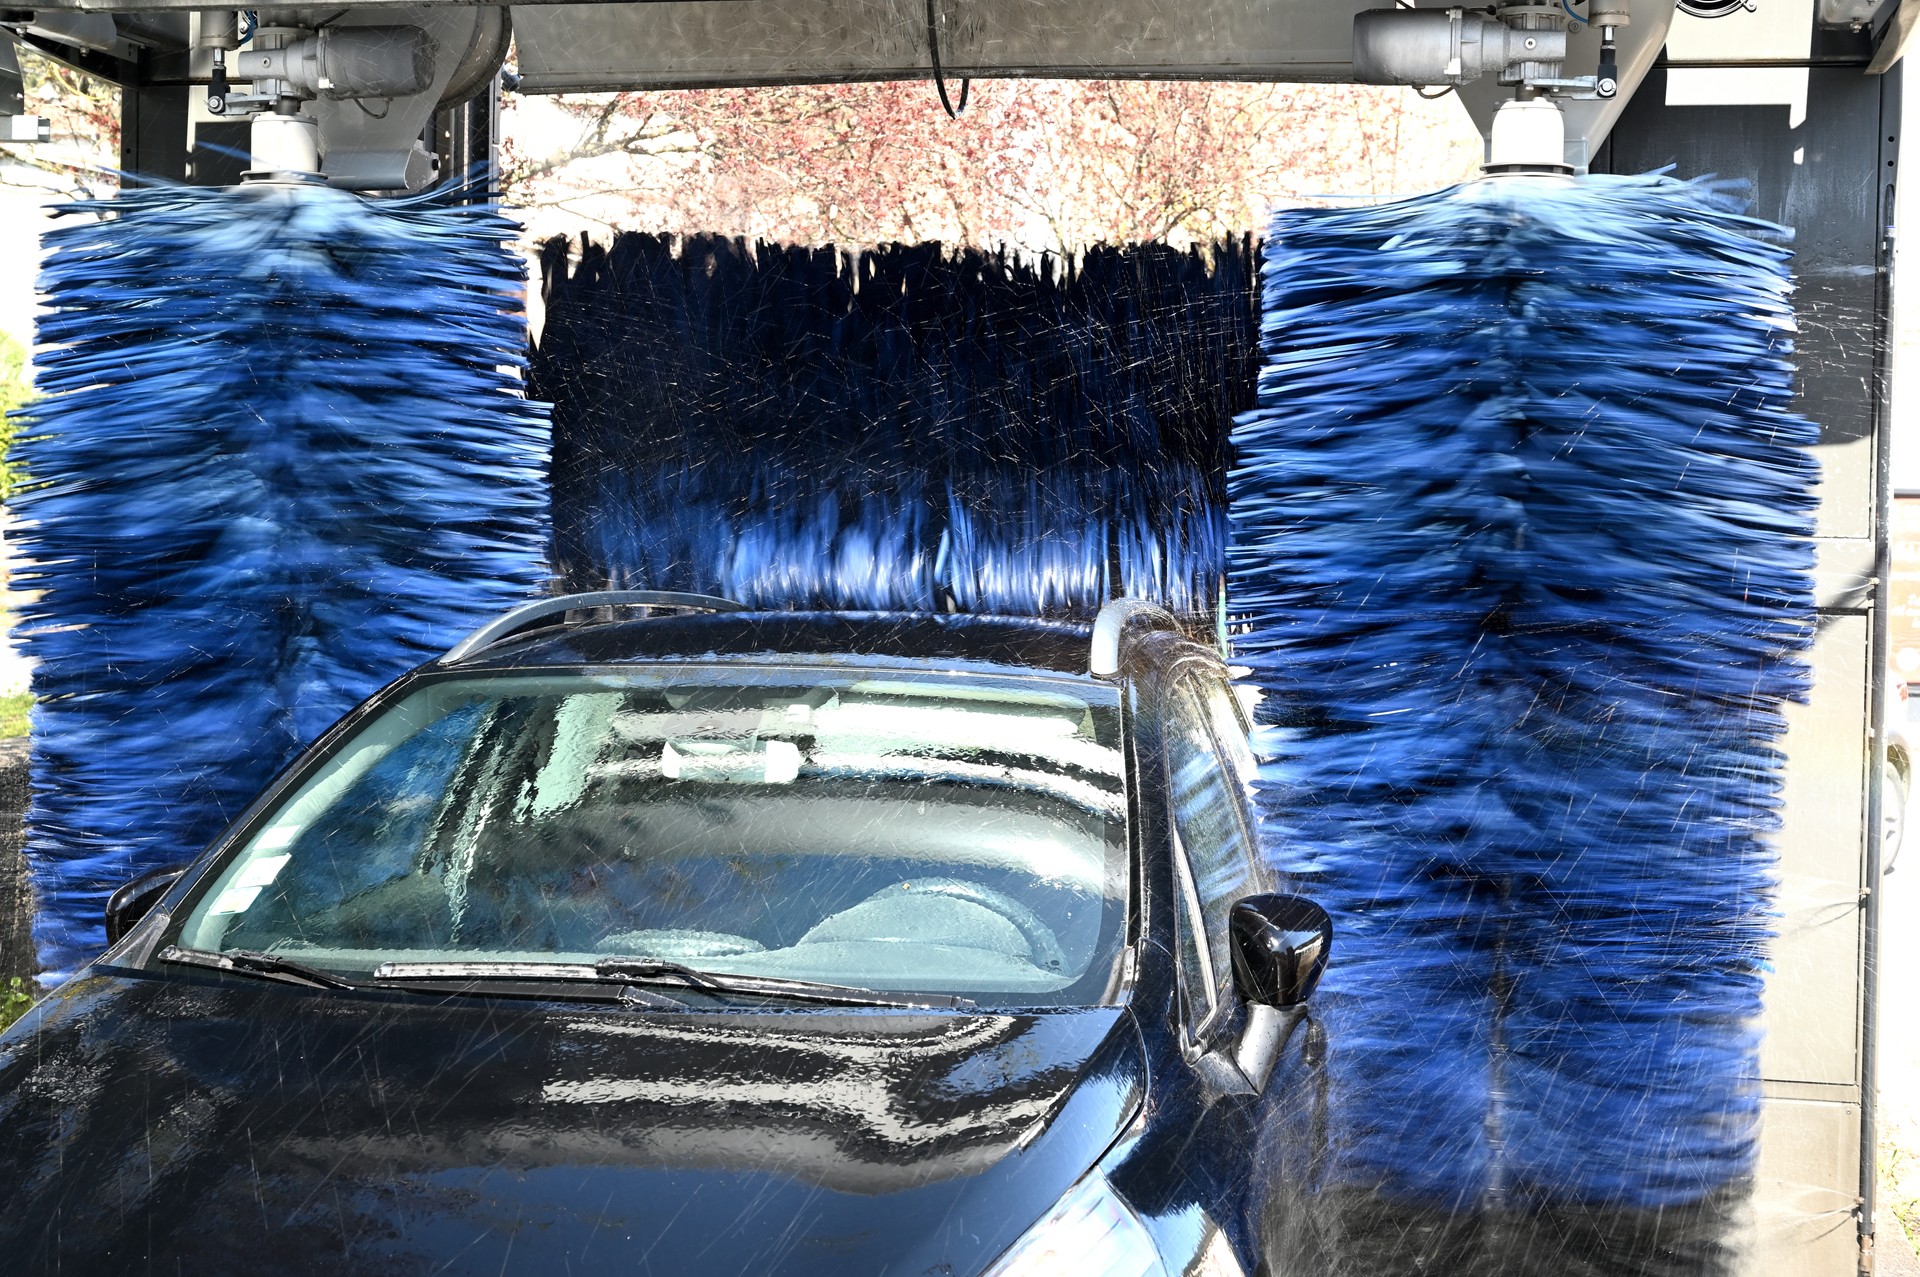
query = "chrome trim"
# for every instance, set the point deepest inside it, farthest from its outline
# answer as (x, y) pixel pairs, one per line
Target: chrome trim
(521, 617)
(1109, 627)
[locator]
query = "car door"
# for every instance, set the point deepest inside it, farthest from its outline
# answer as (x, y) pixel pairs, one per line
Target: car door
(1215, 862)
(1207, 1172)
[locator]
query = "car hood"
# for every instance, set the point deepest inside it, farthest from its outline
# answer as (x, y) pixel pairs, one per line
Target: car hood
(217, 1126)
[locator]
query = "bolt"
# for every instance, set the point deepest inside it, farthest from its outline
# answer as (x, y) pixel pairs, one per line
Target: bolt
(1531, 42)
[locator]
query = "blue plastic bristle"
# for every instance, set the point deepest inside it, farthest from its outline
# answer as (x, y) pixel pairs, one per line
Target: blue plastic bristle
(1520, 545)
(284, 456)
(908, 428)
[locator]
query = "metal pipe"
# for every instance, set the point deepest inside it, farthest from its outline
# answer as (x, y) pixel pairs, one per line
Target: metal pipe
(1879, 625)
(1870, 892)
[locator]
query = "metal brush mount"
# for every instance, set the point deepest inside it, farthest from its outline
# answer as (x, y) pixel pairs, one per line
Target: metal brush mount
(15, 124)
(345, 97)
(1520, 44)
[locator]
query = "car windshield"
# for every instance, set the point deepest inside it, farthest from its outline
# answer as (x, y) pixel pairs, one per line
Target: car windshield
(948, 833)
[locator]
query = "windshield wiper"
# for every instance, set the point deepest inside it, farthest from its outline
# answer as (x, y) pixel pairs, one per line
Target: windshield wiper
(252, 962)
(483, 979)
(776, 986)
(655, 971)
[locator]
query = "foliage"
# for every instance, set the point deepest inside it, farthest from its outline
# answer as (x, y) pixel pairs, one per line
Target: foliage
(15, 392)
(15, 1001)
(1039, 164)
(1899, 1176)
(13, 714)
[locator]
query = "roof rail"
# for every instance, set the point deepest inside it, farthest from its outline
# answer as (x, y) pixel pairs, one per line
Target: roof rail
(1116, 615)
(525, 616)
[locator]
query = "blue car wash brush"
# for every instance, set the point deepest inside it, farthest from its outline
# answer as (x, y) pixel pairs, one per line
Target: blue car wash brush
(1520, 557)
(284, 455)
(909, 427)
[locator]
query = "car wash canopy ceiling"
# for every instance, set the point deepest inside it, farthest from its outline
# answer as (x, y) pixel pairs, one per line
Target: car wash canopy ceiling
(1591, 54)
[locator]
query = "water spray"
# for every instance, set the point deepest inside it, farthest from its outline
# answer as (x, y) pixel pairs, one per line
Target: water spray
(284, 453)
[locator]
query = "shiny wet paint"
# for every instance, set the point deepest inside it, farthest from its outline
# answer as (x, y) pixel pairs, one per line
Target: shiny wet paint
(243, 1127)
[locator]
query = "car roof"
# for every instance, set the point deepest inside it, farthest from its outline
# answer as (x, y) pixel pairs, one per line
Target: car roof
(1021, 642)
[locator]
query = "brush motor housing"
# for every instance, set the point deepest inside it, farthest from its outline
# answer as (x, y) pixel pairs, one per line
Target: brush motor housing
(345, 63)
(1446, 46)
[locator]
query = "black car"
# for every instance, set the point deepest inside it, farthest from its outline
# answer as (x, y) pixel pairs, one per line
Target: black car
(698, 942)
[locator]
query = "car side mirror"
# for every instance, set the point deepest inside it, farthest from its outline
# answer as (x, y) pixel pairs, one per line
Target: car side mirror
(1280, 947)
(135, 899)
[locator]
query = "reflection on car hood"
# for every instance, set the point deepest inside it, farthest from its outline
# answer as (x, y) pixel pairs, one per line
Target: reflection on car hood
(224, 1127)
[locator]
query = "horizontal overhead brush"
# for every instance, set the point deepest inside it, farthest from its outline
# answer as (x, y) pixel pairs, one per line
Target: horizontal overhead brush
(910, 427)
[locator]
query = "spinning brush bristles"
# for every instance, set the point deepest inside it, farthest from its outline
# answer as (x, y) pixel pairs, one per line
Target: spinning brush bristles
(284, 456)
(1520, 536)
(911, 428)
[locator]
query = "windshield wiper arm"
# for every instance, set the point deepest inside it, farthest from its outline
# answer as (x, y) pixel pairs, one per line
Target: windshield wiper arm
(461, 977)
(253, 962)
(777, 986)
(653, 970)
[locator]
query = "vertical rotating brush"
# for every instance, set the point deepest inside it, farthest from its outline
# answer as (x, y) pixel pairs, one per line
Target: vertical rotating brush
(1520, 551)
(284, 455)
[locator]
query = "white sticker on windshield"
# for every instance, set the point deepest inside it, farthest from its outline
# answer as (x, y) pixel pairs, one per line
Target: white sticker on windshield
(262, 871)
(783, 762)
(277, 837)
(235, 899)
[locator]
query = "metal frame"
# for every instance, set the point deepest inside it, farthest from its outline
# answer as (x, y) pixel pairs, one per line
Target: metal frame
(1830, 175)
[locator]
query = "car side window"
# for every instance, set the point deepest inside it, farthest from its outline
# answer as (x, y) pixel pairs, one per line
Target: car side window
(1215, 861)
(1229, 730)
(1190, 937)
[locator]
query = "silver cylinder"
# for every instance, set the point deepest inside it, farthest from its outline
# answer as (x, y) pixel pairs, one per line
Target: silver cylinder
(1443, 46)
(285, 146)
(219, 29)
(1528, 136)
(1611, 13)
(347, 62)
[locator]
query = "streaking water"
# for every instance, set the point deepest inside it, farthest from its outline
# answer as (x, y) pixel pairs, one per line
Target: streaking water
(1520, 536)
(284, 457)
